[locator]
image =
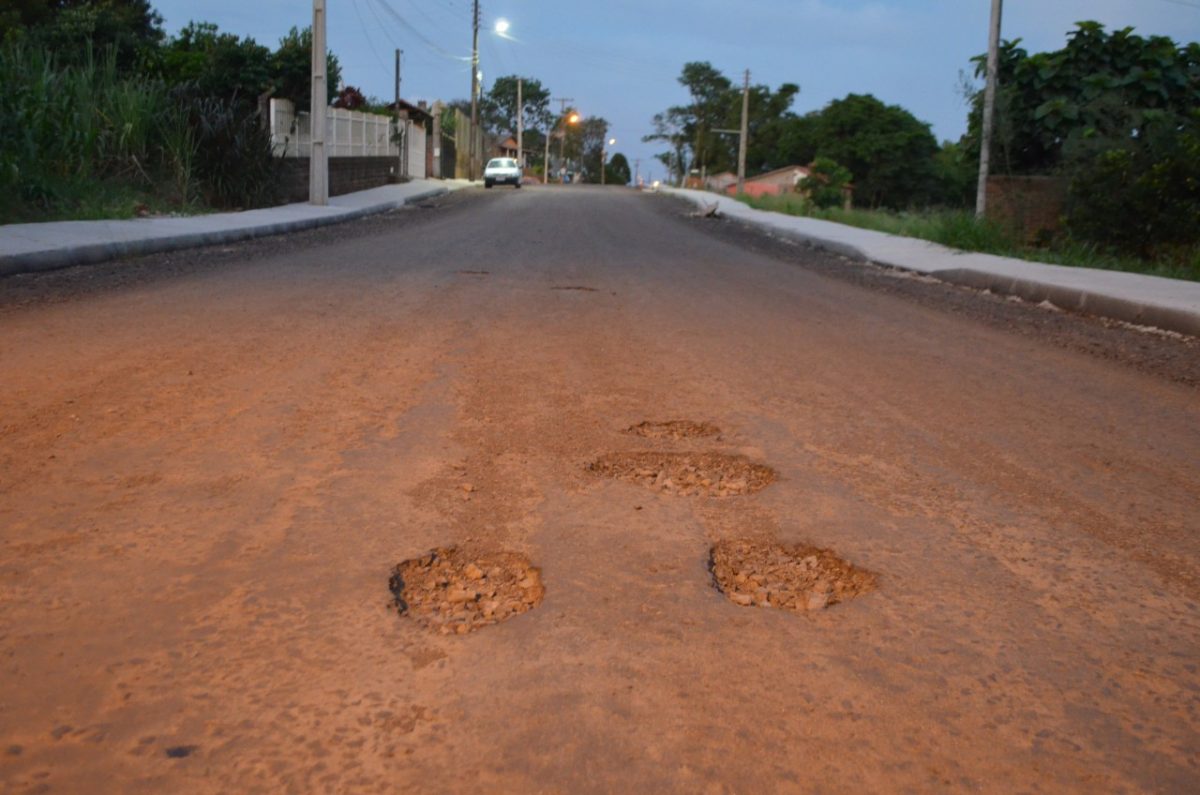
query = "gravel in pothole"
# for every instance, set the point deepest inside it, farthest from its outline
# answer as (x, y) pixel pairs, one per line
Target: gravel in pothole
(452, 592)
(687, 474)
(674, 429)
(765, 573)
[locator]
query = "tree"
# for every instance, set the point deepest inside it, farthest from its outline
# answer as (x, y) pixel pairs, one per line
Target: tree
(617, 172)
(218, 64)
(585, 142)
(1101, 90)
(70, 28)
(889, 151)
(691, 129)
(291, 69)
(499, 106)
(826, 183)
(350, 98)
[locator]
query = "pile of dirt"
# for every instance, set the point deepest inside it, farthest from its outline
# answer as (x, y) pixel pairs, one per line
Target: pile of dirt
(687, 474)
(765, 573)
(453, 593)
(674, 429)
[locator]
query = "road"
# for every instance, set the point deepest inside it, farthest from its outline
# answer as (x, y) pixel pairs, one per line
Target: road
(211, 464)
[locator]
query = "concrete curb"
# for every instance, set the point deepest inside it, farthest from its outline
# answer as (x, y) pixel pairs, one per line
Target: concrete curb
(91, 253)
(1169, 304)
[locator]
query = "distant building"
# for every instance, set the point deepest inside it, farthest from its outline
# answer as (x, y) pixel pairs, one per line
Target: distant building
(773, 183)
(719, 183)
(417, 133)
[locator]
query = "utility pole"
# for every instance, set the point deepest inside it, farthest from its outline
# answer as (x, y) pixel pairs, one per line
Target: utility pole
(520, 128)
(989, 110)
(318, 161)
(474, 88)
(400, 142)
(741, 183)
(562, 113)
(637, 172)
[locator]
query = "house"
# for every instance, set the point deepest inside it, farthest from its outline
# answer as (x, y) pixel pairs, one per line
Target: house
(417, 129)
(507, 148)
(773, 183)
(719, 183)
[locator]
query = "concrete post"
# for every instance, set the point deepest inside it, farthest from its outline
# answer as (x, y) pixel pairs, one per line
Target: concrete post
(318, 162)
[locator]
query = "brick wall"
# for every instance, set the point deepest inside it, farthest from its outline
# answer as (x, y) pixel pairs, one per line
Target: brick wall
(1032, 206)
(346, 175)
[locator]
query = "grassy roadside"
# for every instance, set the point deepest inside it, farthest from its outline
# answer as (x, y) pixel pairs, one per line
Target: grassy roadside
(959, 229)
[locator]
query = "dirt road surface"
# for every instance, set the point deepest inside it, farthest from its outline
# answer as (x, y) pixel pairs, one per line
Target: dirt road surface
(211, 464)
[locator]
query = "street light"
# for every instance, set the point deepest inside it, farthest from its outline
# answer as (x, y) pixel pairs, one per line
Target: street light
(571, 118)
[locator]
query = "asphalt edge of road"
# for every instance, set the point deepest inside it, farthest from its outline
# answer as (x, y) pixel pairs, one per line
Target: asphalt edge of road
(1072, 299)
(92, 253)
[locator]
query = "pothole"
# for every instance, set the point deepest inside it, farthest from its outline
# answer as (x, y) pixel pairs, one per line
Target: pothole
(674, 429)
(765, 573)
(687, 474)
(452, 592)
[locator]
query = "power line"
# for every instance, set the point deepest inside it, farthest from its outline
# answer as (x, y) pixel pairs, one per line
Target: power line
(404, 23)
(367, 35)
(1184, 3)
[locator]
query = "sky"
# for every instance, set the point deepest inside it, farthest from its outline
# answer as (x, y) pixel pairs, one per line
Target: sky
(620, 59)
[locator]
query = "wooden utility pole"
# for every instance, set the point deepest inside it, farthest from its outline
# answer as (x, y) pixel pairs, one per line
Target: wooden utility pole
(520, 127)
(745, 131)
(989, 110)
(318, 160)
(562, 121)
(474, 160)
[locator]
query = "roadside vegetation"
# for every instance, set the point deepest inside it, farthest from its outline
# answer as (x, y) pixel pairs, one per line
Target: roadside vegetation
(1112, 118)
(104, 116)
(959, 229)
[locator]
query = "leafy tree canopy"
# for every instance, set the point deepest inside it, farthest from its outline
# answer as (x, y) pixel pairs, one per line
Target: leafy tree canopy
(1102, 89)
(66, 27)
(218, 64)
(618, 172)
(692, 130)
(291, 69)
(889, 151)
(498, 110)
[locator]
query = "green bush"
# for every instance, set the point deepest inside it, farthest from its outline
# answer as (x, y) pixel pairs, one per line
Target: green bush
(827, 182)
(233, 161)
(1142, 199)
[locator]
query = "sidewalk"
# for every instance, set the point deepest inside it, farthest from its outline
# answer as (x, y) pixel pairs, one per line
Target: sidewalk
(59, 244)
(1169, 304)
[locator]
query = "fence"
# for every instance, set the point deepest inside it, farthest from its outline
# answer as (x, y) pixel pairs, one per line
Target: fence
(348, 133)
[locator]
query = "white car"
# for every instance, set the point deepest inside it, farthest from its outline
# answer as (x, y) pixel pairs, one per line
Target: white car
(502, 171)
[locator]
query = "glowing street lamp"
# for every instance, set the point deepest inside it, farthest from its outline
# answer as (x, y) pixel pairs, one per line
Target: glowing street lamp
(571, 118)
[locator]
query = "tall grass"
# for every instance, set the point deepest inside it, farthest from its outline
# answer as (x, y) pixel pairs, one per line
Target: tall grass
(959, 229)
(87, 141)
(64, 131)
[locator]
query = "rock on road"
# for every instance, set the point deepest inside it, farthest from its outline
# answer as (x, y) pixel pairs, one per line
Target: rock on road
(206, 479)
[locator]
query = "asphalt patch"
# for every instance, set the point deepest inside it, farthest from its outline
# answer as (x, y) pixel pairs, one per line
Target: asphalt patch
(452, 592)
(675, 430)
(687, 474)
(766, 573)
